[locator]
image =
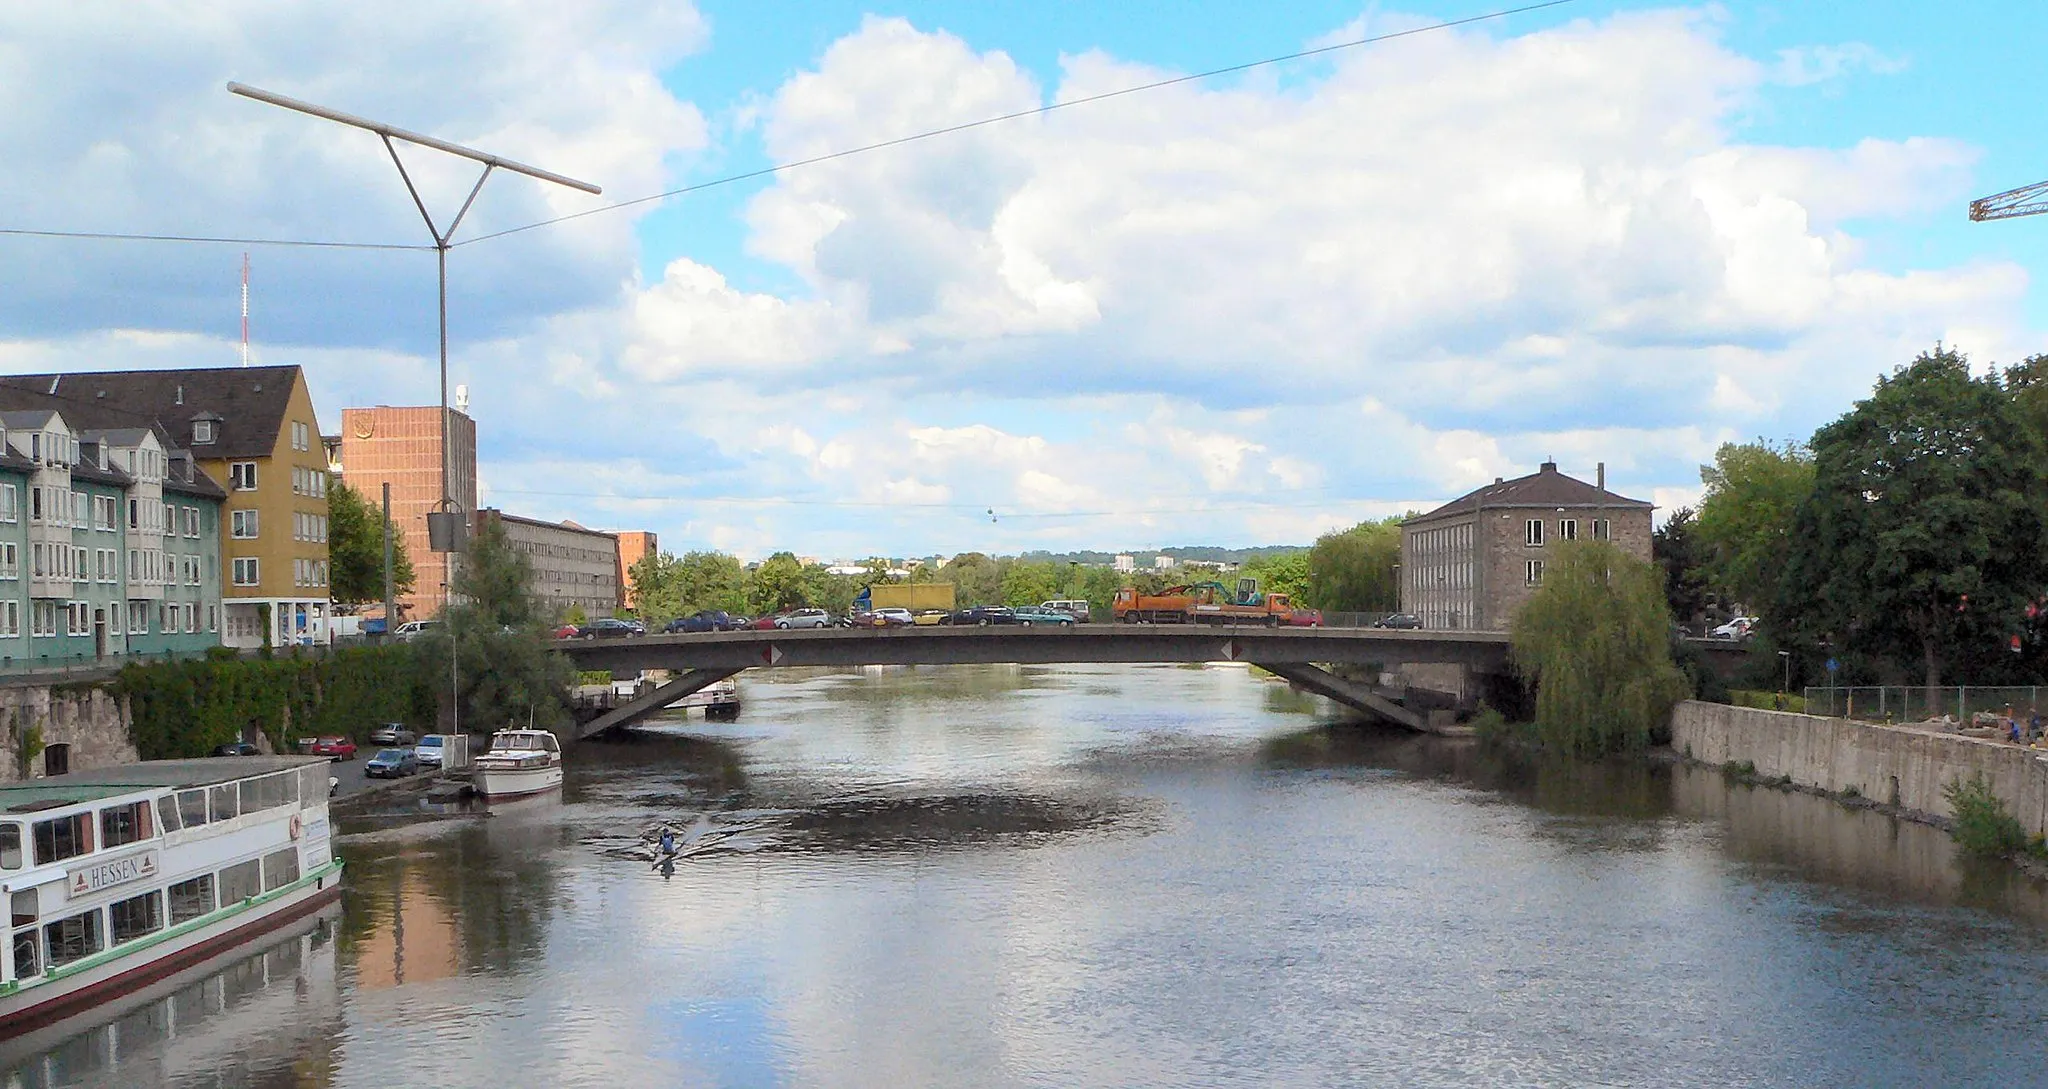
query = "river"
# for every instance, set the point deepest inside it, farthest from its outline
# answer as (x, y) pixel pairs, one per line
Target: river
(1118, 876)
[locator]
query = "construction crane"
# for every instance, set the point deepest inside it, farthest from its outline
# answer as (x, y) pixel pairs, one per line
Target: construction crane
(2027, 200)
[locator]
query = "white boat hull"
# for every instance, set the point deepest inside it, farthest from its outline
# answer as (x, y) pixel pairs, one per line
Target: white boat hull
(514, 782)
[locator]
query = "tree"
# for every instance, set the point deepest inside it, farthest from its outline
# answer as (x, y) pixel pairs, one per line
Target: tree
(1356, 570)
(780, 584)
(976, 579)
(1922, 541)
(507, 671)
(1745, 518)
(1281, 573)
(1594, 641)
(355, 550)
(1676, 549)
(1030, 583)
(665, 586)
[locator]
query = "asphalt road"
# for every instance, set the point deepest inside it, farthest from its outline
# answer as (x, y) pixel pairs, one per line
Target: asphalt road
(350, 772)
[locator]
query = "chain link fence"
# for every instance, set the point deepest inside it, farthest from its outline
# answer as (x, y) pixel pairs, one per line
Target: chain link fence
(1960, 704)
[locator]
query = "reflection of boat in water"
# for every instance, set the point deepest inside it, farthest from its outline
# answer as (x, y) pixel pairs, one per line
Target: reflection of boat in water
(119, 876)
(719, 699)
(263, 1003)
(518, 762)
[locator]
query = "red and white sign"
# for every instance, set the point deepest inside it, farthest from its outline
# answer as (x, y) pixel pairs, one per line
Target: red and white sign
(87, 880)
(771, 654)
(1230, 650)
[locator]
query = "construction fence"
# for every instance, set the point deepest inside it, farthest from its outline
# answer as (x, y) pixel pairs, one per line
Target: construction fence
(1918, 703)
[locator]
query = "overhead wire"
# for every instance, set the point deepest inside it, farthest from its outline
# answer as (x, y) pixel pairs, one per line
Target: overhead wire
(120, 236)
(1035, 111)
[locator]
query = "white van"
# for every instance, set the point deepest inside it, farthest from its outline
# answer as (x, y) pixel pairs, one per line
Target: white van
(1076, 609)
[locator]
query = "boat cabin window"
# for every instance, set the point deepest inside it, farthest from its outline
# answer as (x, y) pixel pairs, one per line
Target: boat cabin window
(241, 881)
(223, 802)
(191, 899)
(63, 837)
(123, 824)
(25, 949)
(136, 917)
(167, 812)
(270, 792)
(312, 784)
(280, 868)
(10, 846)
(192, 807)
(24, 906)
(74, 938)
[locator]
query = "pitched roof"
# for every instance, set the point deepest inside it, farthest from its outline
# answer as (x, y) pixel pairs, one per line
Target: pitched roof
(1546, 487)
(249, 401)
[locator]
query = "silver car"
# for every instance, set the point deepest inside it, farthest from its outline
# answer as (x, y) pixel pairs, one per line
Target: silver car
(804, 618)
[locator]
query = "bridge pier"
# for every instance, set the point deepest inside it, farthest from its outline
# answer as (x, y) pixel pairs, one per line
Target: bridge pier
(1351, 694)
(695, 680)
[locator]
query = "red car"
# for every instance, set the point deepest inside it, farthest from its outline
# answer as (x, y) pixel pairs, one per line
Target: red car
(335, 748)
(1305, 618)
(766, 621)
(566, 631)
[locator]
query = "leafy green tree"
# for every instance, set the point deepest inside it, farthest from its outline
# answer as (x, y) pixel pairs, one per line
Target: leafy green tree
(1923, 539)
(2026, 382)
(507, 669)
(1030, 583)
(976, 579)
(1594, 641)
(780, 583)
(1281, 573)
(1675, 547)
(1745, 518)
(666, 586)
(1357, 570)
(355, 550)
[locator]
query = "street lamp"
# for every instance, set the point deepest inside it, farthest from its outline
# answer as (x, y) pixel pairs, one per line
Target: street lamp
(444, 526)
(1785, 659)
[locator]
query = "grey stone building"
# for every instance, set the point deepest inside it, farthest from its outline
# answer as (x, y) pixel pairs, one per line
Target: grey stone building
(573, 568)
(1473, 561)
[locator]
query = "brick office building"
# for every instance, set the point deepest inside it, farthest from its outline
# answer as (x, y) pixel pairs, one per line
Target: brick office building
(633, 544)
(1473, 561)
(401, 446)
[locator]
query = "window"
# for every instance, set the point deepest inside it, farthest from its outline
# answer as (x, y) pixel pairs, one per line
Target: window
(62, 838)
(136, 917)
(104, 509)
(191, 899)
(221, 802)
(10, 846)
(79, 507)
(35, 504)
(81, 565)
(72, 939)
(301, 437)
(202, 432)
(242, 476)
(123, 824)
(243, 524)
(25, 949)
(138, 618)
(1600, 530)
(25, 905)
(241, 881)
(246, 571)
(1534, 533)
(10, 619)
(167, 812)
(1533, 571)
(192, 807)
(78, 618)
(280, 868)
(191, 617)
(43, 618)
(1568, 529)
(10, 503)
(192, 522)
(213, 618)
(134, 514)
(10, 560)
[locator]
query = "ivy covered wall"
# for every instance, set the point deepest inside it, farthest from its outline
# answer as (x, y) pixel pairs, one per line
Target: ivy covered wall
(187, 708)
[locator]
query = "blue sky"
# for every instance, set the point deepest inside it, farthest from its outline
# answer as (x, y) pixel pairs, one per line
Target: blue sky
(1243, 311)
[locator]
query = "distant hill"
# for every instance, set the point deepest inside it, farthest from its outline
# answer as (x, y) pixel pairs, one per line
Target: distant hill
(1198, 553)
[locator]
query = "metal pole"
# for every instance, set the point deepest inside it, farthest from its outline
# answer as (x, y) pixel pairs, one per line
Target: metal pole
(390, 587)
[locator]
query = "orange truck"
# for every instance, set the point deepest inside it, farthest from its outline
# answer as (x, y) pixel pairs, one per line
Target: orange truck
(1202, 603)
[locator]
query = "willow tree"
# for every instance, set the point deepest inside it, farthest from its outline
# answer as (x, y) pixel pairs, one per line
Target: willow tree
(1594, 641)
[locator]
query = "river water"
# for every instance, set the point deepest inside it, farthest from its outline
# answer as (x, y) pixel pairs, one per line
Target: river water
(1117, 876)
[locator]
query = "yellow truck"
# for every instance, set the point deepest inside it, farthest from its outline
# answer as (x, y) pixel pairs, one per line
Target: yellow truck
(915, 596)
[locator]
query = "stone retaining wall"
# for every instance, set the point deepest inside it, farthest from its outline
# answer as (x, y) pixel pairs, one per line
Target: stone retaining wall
(89, 719)
(1893, 764)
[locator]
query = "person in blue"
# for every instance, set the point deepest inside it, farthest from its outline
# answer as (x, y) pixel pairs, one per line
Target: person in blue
(668, 840)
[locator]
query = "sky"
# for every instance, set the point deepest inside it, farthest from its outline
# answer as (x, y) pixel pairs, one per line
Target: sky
(1239, 310)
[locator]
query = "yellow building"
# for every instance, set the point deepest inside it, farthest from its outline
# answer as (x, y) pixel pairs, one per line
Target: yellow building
(253, 430)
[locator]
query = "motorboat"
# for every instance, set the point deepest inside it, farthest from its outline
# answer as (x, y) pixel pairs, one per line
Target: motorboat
(519, 762)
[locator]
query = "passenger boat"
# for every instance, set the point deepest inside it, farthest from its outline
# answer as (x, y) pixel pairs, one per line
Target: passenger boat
(519, 762)
(119, 877)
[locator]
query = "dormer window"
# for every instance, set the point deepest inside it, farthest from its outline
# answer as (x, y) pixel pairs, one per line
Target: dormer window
(202, 432)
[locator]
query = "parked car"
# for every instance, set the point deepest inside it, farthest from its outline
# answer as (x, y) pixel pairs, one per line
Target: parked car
(391, 733)
(706, 620)
(1076, 609)
(984, 615)
(1399, 620)
(892, 617)
(428, 752)
(566, 631)
(335, 748)
(391, 764)
(238, 748)
(1742, 627)
(413, 629)
(926, 618)
(1029, 615)
(1306, 618)
(805, 618)
(766, 622)
(609, 627)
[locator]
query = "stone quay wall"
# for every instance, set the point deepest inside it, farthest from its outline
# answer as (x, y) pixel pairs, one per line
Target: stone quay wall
(89, 720)
(1897, 765)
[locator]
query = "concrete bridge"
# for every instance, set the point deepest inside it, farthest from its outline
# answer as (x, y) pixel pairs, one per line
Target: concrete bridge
(1296, 654)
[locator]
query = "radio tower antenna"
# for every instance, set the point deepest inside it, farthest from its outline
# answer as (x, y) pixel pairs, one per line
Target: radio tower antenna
(245, 308)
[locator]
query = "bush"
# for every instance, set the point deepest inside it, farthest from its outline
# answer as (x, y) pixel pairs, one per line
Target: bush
(1979, 820)
(1767, 701)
